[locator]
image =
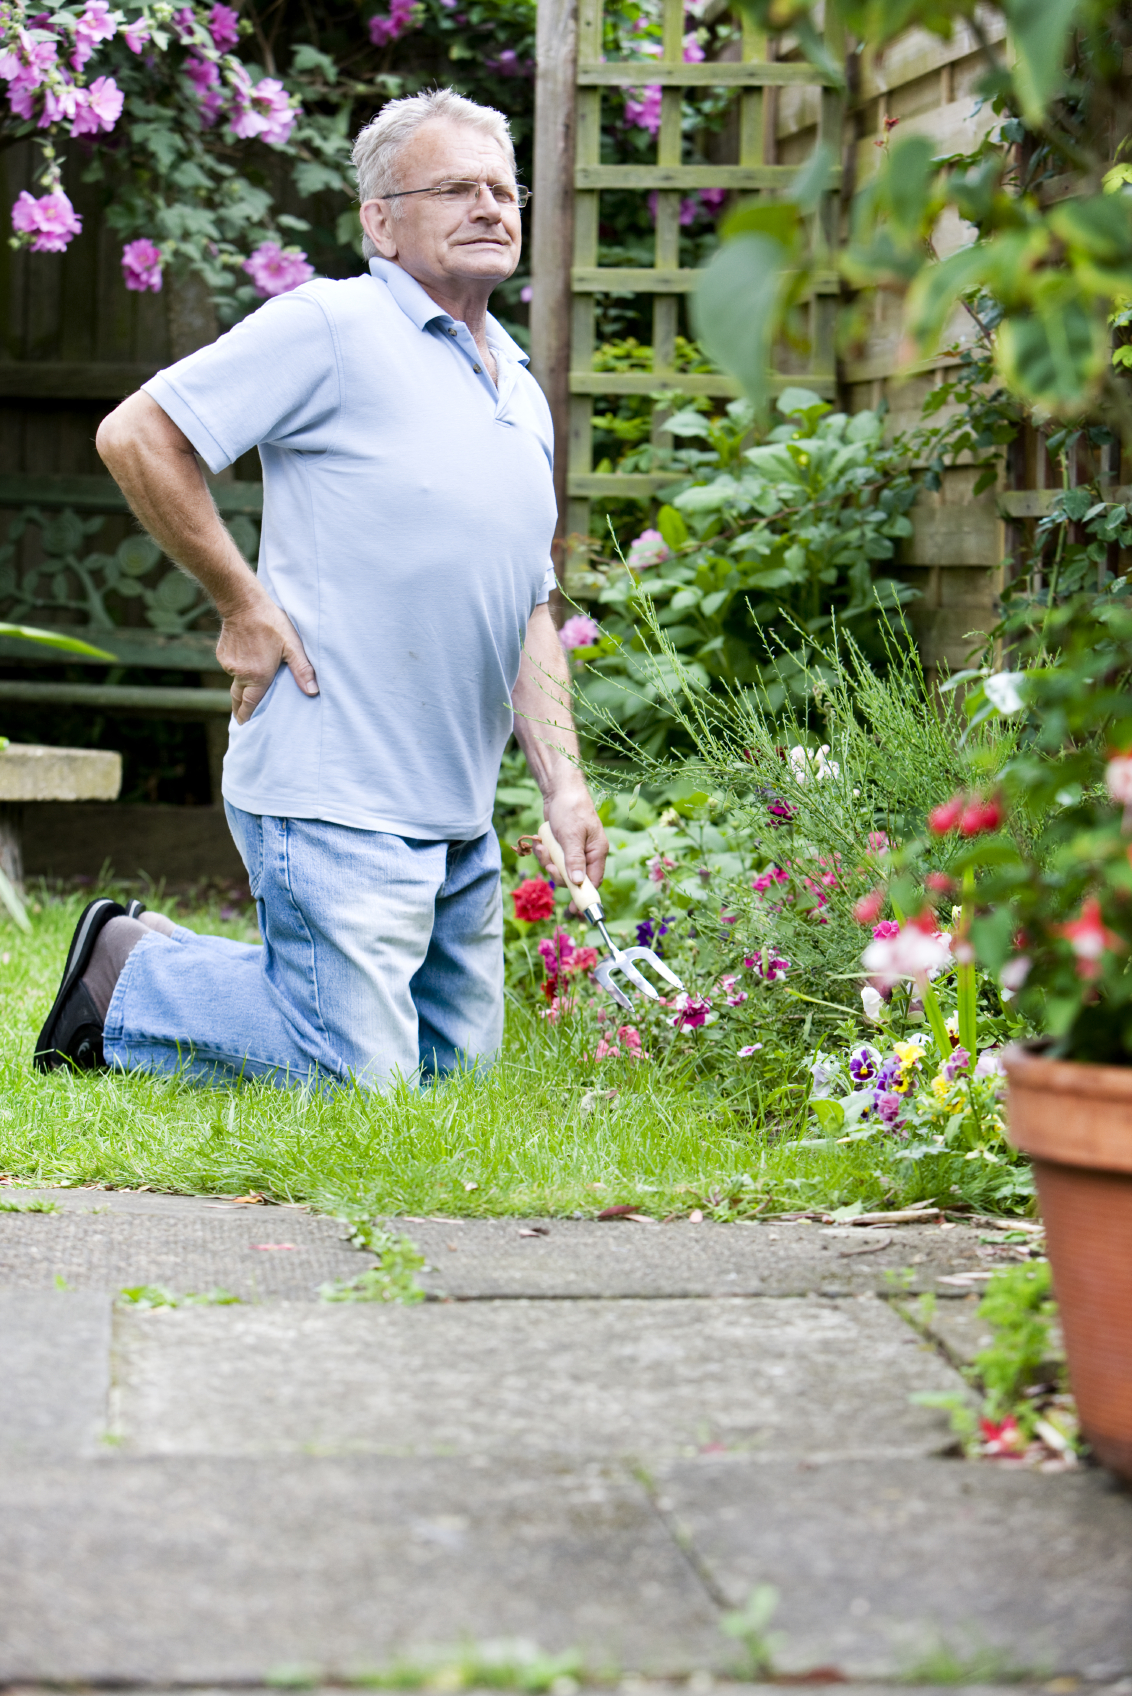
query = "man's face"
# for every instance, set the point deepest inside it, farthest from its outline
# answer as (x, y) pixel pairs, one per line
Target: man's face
(440, 242)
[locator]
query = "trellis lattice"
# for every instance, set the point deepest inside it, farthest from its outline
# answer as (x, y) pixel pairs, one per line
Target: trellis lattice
(670, 178)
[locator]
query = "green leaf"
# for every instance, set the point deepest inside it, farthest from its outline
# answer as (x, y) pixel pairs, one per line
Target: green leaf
(53, 639)
(830, 1115)
(307, 58)
(672, 527)
(736, 308)
(1039, 30)
(1055, 356)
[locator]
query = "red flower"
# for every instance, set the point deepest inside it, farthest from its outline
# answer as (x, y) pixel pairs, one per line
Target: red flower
(1002, 1437)
(940, 882)
(534, 900)
(980, 816)
(868, 909)
(1089, 937)
(943, 819)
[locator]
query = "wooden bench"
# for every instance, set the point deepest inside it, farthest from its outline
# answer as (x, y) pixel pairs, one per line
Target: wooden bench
(65, 511)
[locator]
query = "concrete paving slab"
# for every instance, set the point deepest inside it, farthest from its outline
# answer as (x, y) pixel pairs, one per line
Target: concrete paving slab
(214, 1572)
(54, 1373)
(778, 1377)
(878, 1563)
(473, 1259)
(111, 1240)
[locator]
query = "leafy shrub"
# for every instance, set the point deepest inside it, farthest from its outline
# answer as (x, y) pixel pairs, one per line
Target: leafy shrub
(761, 551)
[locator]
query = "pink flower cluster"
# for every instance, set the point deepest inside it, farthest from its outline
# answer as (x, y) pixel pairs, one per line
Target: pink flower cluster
(141, 266)
(38, 83)
(402, 17)
(50, 221)
(224, 27)
(769, 965)
(204, 74)
(262, 109)
(581, 631)
(650, 548)
(642, 105)
(630, 1036)
(706, 200)
(915, 950)
(277, 270)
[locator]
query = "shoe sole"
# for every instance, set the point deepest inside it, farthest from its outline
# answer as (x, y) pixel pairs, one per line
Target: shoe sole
(92, 921)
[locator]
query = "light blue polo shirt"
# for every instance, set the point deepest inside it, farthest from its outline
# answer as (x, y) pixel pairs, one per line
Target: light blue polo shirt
(408, 509)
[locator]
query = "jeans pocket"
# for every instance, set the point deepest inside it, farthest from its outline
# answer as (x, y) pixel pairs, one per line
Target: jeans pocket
(247, 833)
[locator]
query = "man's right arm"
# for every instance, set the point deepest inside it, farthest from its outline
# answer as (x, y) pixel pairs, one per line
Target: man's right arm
(154, 464)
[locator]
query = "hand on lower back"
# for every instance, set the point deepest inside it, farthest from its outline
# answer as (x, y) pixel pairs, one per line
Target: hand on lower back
(254, 643)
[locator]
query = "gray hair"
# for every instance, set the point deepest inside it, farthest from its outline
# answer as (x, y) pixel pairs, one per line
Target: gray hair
(378, 145)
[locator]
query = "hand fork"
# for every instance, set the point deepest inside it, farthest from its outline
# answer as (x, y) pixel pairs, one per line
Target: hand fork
(588, 902)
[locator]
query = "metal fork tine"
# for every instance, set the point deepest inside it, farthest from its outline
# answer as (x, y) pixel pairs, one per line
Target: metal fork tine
(634, 976)
(601, 973)
(652, 959)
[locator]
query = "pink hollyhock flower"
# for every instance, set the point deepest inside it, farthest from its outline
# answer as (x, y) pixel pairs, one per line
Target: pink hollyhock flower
(713, 198)
(274, 270)
(650, 548)
(401, 17)
(136, 35)
(642, 108)
(100, 109)
(558, 950)
(185, 23)
(51, 221)
(27, 63)
(205, 78)
(141, 266)
(581, 631)
(693, 52)
(224, 27)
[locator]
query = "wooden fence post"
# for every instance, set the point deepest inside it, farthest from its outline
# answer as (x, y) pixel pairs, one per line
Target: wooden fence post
(552, 239)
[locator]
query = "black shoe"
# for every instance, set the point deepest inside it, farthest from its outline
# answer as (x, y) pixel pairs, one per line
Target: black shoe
(73, 1032)
(135, 909)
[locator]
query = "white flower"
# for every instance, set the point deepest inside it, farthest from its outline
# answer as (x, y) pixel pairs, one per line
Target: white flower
(913, 953)
(1001, 690)
(872, 1003)
(988, 1065)
(809, 763)
(1014, 974)
(825, 1071)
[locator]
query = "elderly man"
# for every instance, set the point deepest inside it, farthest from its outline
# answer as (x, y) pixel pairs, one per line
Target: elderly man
(398, 615)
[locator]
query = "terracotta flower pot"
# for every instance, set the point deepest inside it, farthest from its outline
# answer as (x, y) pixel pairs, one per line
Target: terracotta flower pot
(1075, 1123)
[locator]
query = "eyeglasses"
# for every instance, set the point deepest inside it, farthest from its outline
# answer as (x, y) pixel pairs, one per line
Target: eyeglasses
(463, 192)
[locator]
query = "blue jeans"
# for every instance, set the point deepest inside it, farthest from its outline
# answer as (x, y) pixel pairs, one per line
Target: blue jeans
(382, 958)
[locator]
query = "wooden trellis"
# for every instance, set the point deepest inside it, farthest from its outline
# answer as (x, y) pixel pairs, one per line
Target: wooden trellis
(753, 74)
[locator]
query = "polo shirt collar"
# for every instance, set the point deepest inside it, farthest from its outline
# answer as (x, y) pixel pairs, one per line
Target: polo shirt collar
(422, 310)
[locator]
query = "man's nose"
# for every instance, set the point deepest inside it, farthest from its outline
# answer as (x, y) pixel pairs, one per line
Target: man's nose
(486, 206)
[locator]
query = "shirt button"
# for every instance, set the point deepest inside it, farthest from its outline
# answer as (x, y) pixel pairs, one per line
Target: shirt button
(478, 369)
(451, 331)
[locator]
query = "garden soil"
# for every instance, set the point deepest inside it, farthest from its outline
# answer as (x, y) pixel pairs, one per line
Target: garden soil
(594, 1439)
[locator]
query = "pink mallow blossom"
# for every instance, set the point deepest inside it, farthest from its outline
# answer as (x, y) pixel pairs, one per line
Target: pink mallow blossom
(224, 27)
(205, 78)
(262, 109)
(99, 108)
(276, 270)
(401, 17)
(693, 52)
(136, 35)
(581, 631)
(25, 65)
(95, 25)
(650, 548)
(642, 107)
(51, 221)
(141, 266)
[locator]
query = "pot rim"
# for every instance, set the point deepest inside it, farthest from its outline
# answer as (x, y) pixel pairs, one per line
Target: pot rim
(1026, 1066)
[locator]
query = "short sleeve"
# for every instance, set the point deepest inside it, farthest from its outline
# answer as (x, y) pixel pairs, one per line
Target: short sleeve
(549, 582)
(273, 378)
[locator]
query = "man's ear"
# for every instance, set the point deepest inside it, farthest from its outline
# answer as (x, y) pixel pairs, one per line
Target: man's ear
(379, 226)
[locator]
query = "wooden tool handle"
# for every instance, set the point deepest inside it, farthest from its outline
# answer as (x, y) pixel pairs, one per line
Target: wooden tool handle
(583, 895)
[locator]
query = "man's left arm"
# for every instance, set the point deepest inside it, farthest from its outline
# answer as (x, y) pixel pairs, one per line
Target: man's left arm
(544, 726)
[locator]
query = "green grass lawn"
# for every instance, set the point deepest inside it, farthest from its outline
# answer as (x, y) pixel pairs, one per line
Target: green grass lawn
(544, 1132)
